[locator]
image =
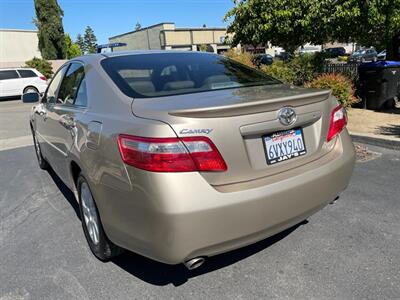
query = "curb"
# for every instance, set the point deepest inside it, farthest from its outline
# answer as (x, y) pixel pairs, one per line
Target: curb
(376, 141)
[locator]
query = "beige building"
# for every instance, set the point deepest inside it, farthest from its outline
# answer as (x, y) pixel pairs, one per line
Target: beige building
(17, 46)
(166, 36)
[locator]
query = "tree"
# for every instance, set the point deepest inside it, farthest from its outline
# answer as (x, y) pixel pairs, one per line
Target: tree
(89, 40)
(285, 23)
(138, 26)
(292, 23)
(368, 22)
(50, 29)
(42, 65)
(72, 49)
(81, 43)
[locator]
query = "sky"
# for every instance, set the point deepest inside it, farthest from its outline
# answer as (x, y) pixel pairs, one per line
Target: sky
(109, 18)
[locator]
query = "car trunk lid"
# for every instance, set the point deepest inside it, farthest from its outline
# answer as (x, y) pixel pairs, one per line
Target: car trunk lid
(236, 120)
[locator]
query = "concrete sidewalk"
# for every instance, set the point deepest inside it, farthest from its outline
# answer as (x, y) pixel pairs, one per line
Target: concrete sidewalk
(377, 128)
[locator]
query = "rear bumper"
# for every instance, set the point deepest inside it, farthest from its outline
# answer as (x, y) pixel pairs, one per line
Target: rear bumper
(190, 218)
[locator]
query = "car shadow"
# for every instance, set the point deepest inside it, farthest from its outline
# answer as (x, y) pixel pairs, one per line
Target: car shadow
(161, 274)
(65, 191)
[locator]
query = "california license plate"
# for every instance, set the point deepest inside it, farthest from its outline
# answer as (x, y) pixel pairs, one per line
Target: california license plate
(284, 145)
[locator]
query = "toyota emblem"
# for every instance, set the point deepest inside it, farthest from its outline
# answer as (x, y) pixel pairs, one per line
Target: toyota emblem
(287, 116)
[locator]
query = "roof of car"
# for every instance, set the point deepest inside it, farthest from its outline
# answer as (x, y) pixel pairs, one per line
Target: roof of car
(11, 69)
(100, 56)
(136, 52)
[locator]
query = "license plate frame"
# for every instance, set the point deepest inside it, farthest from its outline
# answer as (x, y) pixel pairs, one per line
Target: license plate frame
(285, 135)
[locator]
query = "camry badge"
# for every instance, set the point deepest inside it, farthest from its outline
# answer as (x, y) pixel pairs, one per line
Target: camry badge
(287, 116)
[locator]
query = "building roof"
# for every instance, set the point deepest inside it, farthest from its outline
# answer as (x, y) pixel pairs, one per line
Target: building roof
(169, 30)
(141, 29)
(19, 30)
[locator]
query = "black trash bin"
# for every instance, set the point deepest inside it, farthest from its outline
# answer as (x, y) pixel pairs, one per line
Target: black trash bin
(379, 83)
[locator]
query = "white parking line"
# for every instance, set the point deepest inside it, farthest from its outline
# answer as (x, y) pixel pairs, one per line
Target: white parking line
(17, 142)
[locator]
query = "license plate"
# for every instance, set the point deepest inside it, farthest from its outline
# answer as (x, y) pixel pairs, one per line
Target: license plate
(284, 145)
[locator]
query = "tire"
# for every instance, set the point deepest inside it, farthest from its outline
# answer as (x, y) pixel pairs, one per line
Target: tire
(95, 236)
(31, 89)
(43, 164)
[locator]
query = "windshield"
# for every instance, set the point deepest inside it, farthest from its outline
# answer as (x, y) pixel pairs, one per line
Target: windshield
(164, 74)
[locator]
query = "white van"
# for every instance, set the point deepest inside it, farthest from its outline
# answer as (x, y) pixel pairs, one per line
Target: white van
(17, 81)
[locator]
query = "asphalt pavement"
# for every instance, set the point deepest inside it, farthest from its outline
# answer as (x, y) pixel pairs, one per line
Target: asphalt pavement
(349, 250)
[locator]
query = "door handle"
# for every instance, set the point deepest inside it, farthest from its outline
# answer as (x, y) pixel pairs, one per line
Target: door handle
(67, 121)
(41, 112)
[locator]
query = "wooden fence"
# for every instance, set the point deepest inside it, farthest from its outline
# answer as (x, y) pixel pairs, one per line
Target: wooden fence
(350, 70)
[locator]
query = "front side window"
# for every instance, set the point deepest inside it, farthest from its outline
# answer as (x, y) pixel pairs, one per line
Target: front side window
(70, 84)
(165, 74)
(52, 89)
(27, 73)
(8, 74)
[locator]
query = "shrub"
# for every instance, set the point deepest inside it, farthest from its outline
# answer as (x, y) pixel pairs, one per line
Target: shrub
(245, 58)
(299, 70)
(42, 65)
(341, 86)
(281, 71)
(307, 66)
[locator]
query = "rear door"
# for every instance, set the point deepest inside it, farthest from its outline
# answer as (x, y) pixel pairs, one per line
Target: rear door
(29, 78)
(61, 123)
(10, 83)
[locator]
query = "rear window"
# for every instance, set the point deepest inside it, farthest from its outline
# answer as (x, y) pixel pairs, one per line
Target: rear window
(27, 73)
(164, 74)
(8, 74)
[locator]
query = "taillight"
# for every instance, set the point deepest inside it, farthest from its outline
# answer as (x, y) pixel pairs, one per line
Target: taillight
(171, 154)
(337, 123)
(43, 78)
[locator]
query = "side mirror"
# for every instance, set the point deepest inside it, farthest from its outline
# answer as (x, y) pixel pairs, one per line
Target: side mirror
(30, 97)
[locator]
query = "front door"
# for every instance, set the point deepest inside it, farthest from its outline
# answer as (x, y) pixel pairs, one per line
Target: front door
(10, 83)
(42, 113)
(62, 116)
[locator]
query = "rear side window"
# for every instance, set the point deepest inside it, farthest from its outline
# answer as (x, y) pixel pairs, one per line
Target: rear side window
(165, 74)
(70, 84)
(8, 74)
(27, 73)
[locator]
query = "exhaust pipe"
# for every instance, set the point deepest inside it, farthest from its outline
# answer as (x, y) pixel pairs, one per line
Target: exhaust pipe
(194, 263)
(334, 200)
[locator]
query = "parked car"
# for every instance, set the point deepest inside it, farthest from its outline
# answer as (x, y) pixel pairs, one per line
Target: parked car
(263, 59)
(382, 55)
(285, 56)
(17, 81)
(309, 50)
(179, 156)
(335, 52)
(363, 55)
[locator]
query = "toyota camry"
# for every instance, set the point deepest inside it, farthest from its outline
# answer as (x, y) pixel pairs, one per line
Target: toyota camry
(179, 156)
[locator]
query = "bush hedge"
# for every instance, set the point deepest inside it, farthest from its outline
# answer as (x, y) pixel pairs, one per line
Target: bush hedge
(42, 65)
(341, 86)
(305, 70)
(281, 71)
(245, 58)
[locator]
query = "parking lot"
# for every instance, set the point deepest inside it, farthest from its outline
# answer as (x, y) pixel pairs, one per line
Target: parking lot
(348, 250)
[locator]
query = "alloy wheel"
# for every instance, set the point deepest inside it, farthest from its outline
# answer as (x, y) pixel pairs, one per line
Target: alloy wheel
(90, 217)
